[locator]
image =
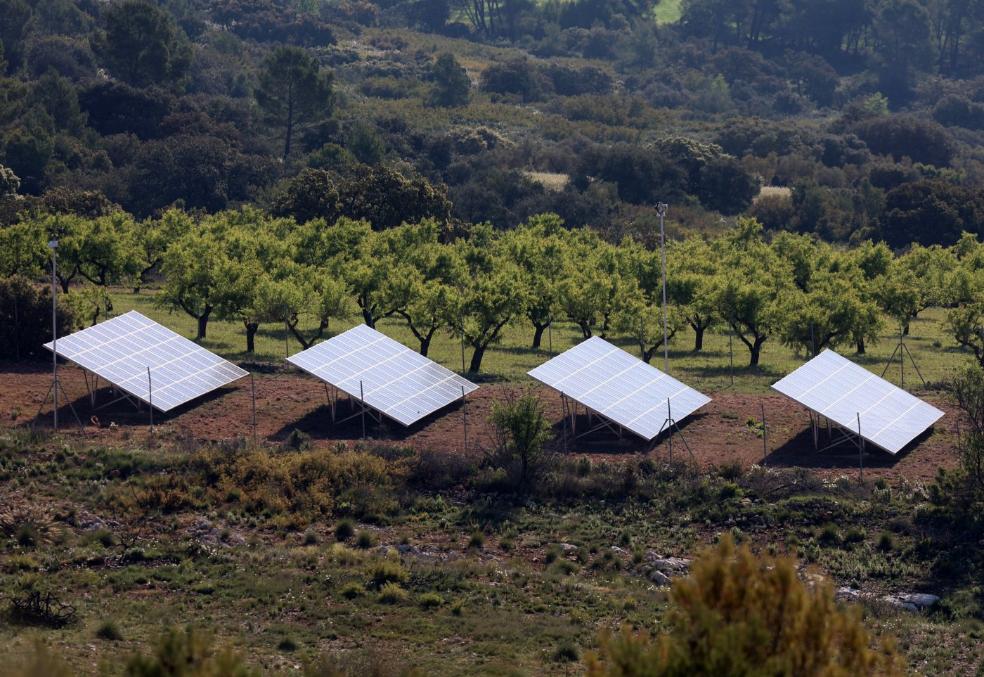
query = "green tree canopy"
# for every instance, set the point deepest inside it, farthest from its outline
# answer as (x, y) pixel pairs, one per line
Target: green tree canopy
(142, 45)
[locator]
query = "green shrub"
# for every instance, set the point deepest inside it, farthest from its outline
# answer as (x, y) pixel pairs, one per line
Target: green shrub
(365, 540)
(566, 653)
(387, 572)
(886, 542)
(476, 540)
(109, 631)
(344, 530)
(287, 645)
(188, 653)
(724, 620)
(431, 600)
(521, 431)
(352, 590)
(391, 593)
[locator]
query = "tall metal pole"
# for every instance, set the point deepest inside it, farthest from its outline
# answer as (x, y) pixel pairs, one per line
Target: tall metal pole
(53, 245)
(661, 210)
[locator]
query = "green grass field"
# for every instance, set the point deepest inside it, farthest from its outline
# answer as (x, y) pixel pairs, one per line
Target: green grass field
(936, 354)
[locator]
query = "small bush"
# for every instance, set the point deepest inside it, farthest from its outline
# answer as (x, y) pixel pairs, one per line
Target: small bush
(190, 650)
(365, 540)
(854, 535)
(344, 530)
(829, 536)
(431, 600)
(352, 590)
(287, 645)
(722, 621)
(457, 607)
(566, 653)
(109, 631)
(310, 538)
(886, 542)
(387, 572)
(477, 540)
(391, 593)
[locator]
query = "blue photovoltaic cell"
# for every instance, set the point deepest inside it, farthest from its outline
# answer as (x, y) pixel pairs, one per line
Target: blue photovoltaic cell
(622, 388)
(838, 389)
(396, 381)
(120, 351)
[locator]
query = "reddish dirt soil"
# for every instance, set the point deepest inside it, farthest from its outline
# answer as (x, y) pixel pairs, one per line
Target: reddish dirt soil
(720, 433)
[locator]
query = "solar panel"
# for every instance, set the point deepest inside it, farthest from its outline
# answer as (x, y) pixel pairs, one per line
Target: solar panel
(620, 387)
(121, 349)
(396, 381)
(839, 390)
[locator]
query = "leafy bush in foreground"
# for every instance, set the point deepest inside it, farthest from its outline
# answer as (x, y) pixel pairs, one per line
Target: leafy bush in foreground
(738, 614)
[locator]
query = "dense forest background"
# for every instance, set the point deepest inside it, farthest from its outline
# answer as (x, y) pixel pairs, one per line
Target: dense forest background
(851, 119)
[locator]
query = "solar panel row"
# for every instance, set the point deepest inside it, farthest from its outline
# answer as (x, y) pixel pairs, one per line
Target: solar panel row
(842, 391)
(619, 386)
(120, 350)
(395, 380)
(406, 386)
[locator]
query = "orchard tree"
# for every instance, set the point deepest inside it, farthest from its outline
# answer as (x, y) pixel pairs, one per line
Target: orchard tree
(832, 311)
(539, 249)
(966, 324)
(751, 286)
(153, 237)
(196, 271)
(596, 278)
(423, 285)
(641, 320)
(23, 250)
(293, 91)
(491, 295)
(692, 269)
(899, 295)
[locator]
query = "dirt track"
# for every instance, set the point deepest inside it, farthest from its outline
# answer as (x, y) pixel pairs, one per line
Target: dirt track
(719, 433)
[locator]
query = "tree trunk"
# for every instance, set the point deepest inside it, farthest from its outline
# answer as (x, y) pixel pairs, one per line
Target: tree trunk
(585, 329)
(755, 351)
(538, 334)
(647, 355)
(203, 324)
(290, 123)
(698, 338)
(368, 318)
(251, 328)
(860, 346)
(476, 360)
(425, 344)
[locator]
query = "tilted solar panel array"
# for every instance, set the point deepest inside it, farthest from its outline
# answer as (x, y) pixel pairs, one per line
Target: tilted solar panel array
(840, 390)
(121, 349)
(619, 386)
(396, 381)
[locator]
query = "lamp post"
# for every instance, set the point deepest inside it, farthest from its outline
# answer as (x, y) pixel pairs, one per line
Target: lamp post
(53, 246)
(661, 211)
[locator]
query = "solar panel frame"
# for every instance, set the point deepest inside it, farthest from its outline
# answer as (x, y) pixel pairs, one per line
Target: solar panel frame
(619, 387)
(121, 349)
(395, 380)
(836, 388)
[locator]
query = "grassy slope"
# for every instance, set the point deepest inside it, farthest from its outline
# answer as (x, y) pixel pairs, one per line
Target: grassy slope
(506, 608)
